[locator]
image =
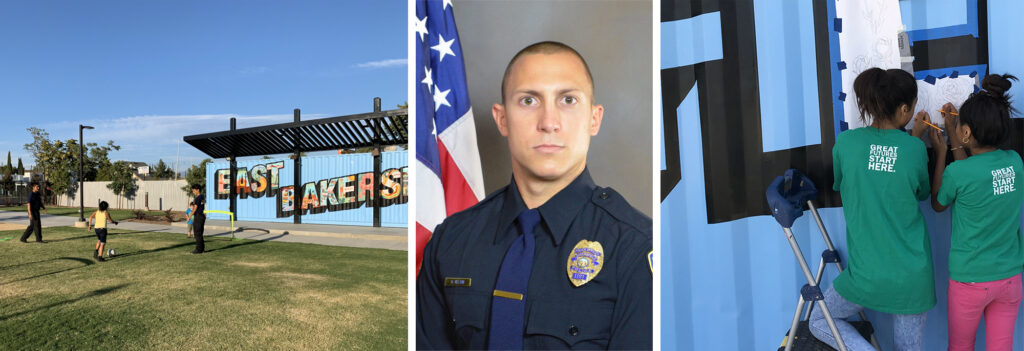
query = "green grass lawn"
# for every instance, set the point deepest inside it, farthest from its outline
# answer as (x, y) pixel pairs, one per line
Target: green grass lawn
(240, 295)
(73, 211)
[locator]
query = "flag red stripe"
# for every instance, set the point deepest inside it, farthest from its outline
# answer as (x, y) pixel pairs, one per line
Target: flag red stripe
(458, 195)
(422, 236)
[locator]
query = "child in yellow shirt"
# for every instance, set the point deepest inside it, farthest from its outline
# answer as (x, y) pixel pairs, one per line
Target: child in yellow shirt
(101, 216)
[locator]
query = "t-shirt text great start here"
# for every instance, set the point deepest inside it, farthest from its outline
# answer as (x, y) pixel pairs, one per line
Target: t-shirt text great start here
(1002, 180)
(882, 158)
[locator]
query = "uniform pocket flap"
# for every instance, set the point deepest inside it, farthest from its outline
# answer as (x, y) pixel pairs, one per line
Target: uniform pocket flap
(468, 309)
(570, 322)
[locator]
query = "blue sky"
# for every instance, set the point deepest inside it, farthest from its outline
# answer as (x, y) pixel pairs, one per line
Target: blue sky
(147, 73)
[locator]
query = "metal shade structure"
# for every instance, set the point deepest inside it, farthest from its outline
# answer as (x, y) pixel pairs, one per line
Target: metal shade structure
(374, 129)
(324, 134)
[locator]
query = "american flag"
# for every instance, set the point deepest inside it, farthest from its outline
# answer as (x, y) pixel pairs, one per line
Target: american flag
(448, 174)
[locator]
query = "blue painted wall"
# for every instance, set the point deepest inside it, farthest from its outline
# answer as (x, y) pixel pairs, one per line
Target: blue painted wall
(1006, 44)
(787, 73)
(315, 169)
(734, 285)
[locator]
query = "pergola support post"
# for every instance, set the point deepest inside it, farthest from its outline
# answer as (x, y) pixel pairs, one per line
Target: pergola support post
(233, 204)
(298, 171)
(376, 165)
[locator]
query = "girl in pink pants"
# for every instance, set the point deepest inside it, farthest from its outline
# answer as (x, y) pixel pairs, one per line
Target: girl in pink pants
(996, 300)
(986, 254)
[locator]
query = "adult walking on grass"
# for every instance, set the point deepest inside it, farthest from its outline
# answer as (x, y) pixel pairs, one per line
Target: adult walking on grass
(198, 219)
(35, 203)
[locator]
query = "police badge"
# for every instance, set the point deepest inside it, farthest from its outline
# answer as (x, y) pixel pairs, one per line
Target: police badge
(585, 261)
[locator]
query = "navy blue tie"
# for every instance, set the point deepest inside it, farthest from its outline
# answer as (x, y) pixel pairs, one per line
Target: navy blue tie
(508, 305)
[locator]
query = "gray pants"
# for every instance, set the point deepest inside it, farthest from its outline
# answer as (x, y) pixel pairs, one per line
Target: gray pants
(908, 329)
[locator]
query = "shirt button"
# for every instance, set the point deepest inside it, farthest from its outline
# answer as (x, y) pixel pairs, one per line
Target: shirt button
(603, 196)
(573, 330)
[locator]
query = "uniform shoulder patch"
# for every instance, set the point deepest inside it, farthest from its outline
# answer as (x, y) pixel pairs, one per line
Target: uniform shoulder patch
(650, 260)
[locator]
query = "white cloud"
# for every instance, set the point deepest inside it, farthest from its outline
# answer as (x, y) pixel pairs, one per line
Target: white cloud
(150, 138)
(384, 63)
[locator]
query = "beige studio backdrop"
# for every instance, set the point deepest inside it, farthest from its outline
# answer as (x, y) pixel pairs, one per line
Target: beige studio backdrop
(615, 39)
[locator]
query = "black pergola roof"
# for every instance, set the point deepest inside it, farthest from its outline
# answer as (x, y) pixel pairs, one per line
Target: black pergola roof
(332, 133)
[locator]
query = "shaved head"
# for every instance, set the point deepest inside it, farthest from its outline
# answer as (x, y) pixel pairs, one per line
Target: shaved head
(544, 47)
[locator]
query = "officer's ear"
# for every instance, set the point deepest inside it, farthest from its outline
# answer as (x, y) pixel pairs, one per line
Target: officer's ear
(498, 112)
(597, 113)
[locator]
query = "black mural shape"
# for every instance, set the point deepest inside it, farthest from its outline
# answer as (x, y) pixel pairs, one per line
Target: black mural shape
(964, 50)
(736, 168)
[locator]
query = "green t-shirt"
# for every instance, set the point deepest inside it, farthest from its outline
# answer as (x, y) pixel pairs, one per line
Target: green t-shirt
(882, 175)
(986, 243)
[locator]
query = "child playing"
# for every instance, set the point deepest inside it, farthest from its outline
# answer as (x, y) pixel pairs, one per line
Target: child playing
(101, 216)
(188, 216)
(986, 252)
(882, 174)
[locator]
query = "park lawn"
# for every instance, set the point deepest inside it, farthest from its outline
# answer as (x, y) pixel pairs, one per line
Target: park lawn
(73, 211)
(240, 295)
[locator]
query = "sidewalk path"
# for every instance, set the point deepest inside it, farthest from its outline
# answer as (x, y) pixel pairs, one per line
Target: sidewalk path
(333, 235)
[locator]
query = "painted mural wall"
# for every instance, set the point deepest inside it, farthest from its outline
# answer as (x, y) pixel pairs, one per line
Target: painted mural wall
(336, 189)
(750, 88)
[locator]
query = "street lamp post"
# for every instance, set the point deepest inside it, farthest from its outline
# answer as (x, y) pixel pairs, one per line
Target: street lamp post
(81, 174)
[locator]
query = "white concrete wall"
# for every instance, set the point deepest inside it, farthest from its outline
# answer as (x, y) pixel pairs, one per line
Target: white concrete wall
(163, 194)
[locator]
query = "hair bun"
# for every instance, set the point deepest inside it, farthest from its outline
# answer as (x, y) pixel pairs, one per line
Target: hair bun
(997, 84)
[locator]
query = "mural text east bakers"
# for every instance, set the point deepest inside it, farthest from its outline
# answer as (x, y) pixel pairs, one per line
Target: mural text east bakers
(331, 194)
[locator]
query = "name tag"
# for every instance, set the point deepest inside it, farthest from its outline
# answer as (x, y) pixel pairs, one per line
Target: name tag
(458, 281)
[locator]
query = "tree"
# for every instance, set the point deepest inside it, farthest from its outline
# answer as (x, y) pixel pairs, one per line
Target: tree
(40, 141)
(122, 183)
(45, 151)
(196, 174)
(57, 159)
(21, 168)
(10, 167)
(7, 182)
(161, 171)
(97, 159)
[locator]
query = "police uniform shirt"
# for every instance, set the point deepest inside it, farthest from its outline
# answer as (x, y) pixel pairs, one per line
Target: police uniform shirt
(613, 310)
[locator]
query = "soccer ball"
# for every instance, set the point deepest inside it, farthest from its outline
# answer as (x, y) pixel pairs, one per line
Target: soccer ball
(110, 252)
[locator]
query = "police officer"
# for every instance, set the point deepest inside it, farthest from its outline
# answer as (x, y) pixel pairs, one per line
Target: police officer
(198, 219)
(35, 203)
(551, 261)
